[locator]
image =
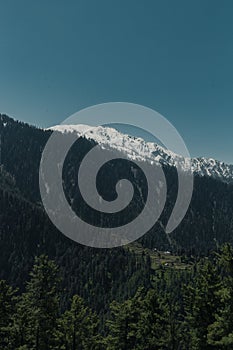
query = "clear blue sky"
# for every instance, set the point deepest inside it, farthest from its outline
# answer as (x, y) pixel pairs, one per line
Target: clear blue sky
(57, 57)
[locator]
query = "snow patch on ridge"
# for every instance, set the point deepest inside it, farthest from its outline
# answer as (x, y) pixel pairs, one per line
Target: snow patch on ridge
(138, 149)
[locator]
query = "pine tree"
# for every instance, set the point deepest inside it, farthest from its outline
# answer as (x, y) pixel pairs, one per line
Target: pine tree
(201, 300)
(122, 335)
(139, 323)
(220, 333)
(153, 327)
(77, 328)
(38, 309)
(7, 308)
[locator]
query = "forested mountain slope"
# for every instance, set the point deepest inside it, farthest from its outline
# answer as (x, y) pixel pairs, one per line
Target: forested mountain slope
(208, 221)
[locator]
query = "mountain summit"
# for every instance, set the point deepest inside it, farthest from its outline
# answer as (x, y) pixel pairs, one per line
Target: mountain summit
(138, 149)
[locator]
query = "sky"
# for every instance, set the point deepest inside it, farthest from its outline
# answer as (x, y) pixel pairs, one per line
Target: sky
(57, 57)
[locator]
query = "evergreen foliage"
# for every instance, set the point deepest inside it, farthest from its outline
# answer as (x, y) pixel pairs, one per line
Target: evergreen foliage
(179, 311)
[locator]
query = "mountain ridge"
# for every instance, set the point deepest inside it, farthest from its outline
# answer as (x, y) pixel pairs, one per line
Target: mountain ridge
(207, 222)
(138, 149)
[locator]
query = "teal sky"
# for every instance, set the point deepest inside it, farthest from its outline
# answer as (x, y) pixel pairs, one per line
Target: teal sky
(176, 57)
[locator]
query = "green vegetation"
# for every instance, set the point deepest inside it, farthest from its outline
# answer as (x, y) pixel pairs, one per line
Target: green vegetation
(182, 309)
(161, 258)
(162, 292)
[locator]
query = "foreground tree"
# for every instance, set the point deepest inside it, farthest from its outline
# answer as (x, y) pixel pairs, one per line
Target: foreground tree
(38, 308)
(122, 326)
(201, 300)
(77, 328)
(7, 309)
(220, 333)
(139, 323)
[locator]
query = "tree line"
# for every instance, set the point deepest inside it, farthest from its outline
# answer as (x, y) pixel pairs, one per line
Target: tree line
(180, 310)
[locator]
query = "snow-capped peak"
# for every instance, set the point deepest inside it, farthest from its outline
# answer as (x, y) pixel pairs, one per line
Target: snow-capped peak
(138, 149)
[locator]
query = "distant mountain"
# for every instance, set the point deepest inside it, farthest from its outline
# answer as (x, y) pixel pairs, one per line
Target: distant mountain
(138, 149)
(208, 221)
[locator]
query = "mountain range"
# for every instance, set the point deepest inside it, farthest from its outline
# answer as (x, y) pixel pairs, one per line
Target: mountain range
(138, 149)
(26, 231)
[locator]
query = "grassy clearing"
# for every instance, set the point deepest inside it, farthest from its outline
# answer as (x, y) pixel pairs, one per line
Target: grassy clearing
(160, 258)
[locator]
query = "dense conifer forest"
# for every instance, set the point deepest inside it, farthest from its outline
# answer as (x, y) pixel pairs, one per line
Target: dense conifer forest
(181, 309)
